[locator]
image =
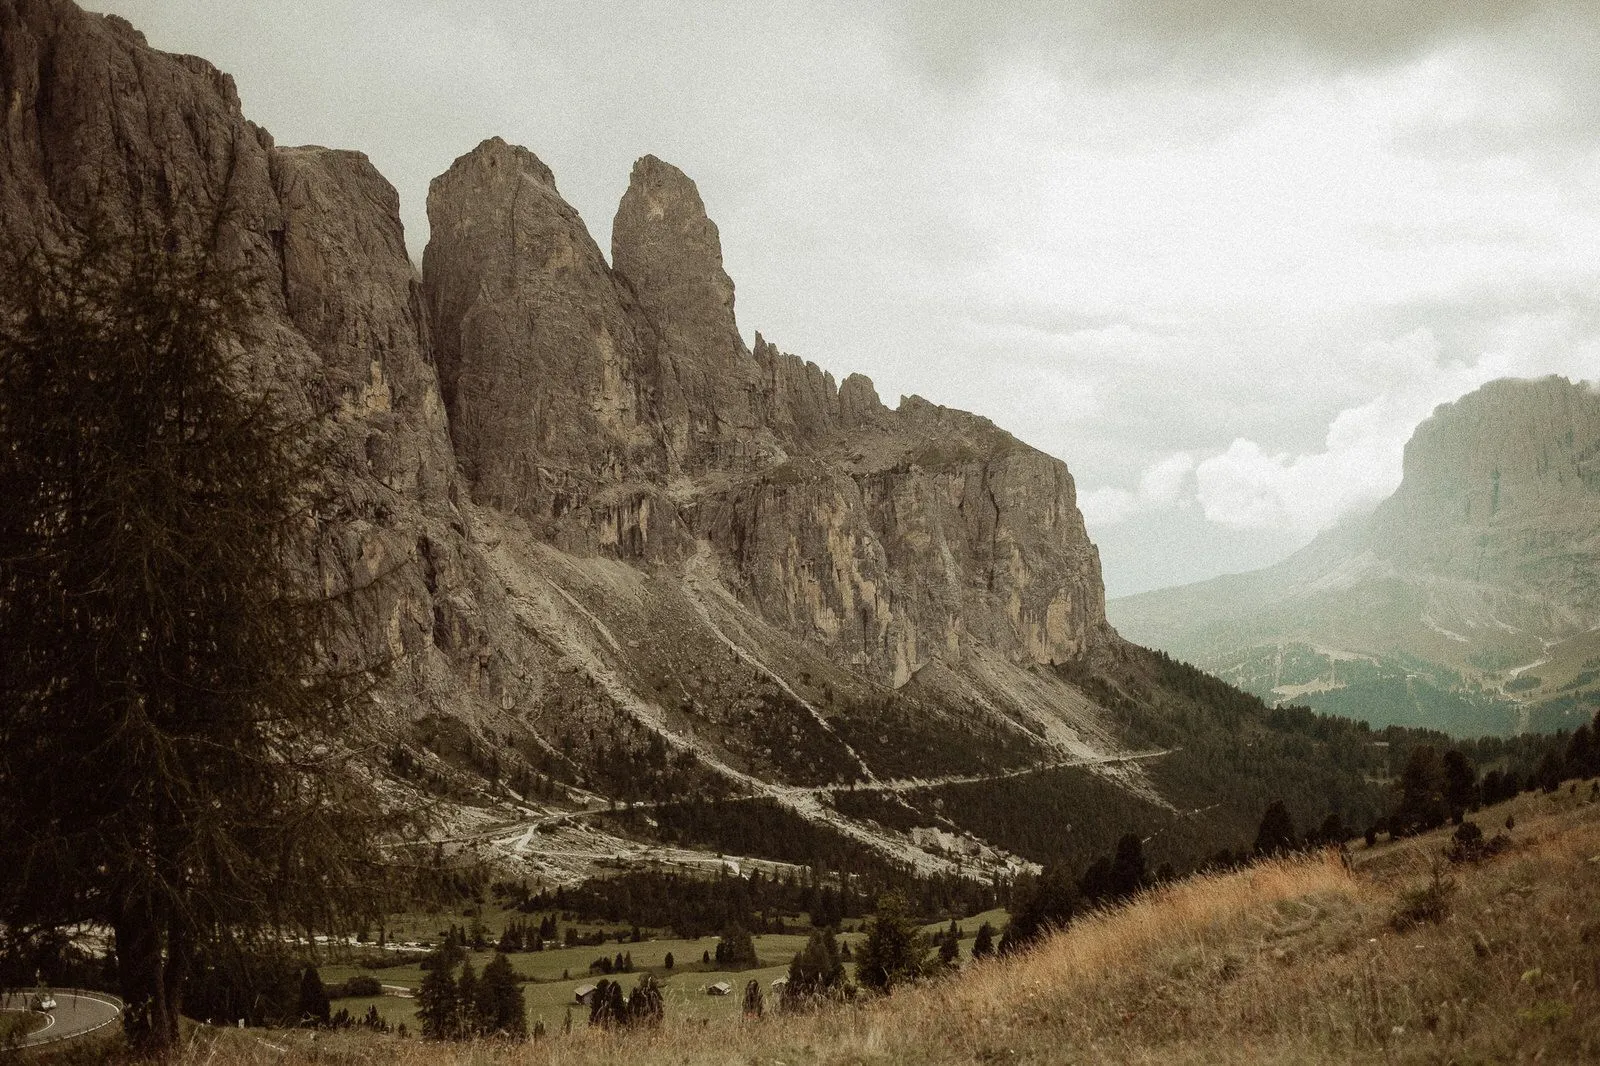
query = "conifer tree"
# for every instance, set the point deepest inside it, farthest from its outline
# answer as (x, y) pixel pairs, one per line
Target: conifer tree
(1095, 884)
(950, 945)
(1127, 875)
(437, 1003)
(983, 946)
(314, 1005)
(1276, 833)
(816, 971)
(502, 1010)
(894, 952)
(607, 1008)
(646, 1005)
(172, 729)
(736, 948)
(1460, 783)
(1048, 907)
(468, 1021)
(1549, 772)
(1422, 782)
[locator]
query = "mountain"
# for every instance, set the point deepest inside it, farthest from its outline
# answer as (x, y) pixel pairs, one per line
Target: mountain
(1467, 601)
(636, 581)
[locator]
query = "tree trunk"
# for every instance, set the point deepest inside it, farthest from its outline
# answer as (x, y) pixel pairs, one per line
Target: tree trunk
(149, 987)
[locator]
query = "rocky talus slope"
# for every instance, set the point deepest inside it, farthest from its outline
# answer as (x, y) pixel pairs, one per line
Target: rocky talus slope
(612, 552)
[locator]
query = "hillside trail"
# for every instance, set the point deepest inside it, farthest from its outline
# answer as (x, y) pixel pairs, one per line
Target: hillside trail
(542, 605)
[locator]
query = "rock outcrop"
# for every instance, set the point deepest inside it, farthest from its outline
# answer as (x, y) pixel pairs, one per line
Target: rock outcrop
(669, 254)
(103, 131)
(1502, 487)
(619, 410)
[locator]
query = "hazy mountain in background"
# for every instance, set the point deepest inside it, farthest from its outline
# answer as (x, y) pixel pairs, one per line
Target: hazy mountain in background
(1467, 601)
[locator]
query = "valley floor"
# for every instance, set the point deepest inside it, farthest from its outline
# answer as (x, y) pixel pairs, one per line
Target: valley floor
(1297, 961)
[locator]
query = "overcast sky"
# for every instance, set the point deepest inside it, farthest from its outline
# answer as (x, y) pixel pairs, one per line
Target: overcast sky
(1219, 258)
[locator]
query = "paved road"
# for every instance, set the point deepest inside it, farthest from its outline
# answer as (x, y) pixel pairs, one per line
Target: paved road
(523, 830)
(77, 1013)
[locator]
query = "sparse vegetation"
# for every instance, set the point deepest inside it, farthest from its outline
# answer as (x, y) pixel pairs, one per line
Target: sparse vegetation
(1428, 902)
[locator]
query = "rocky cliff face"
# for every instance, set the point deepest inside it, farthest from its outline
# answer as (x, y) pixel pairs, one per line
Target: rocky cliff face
(604, 540)
(619, 411)
(1502, 488)
(100, 129)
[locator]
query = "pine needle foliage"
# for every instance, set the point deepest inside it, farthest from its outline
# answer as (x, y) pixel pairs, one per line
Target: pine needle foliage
(173, 749)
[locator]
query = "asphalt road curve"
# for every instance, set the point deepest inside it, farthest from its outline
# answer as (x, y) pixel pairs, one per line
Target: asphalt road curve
(77, 1013)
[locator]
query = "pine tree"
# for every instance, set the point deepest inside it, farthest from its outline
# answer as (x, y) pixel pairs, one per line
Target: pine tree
(1095, 884)
(1127, 874)
(437, 1003)
(1549, 772)
(468, 1022)
(501, 1008)
(1276, 833)
(816, 971)
(893, 953)
(607, 1008)
(1332, 830)
(646, 1005)
(1460, 783)
(172, 729)
(949, 942)
(1580, 753)
(1049, 906)
(736, 949)
(314, 1005)
(1422, 804)
(983, 946)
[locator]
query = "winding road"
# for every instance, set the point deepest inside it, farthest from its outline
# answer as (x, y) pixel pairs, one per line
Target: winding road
(77, 1013)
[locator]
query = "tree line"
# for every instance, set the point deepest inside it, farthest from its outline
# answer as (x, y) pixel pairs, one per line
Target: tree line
(461, 1004)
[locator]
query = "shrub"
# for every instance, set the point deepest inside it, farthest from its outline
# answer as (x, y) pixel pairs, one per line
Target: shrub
(755, 1003)
(1468, 844)
(1427, 903)
(361, 985)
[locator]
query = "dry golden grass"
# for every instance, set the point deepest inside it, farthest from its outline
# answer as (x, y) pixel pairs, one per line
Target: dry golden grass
(1286, 962)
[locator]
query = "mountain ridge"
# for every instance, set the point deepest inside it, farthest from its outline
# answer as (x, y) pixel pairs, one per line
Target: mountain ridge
(615, 555)
(1485, 558)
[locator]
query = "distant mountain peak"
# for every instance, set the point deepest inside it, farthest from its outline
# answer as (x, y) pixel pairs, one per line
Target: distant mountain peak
(1487, 552)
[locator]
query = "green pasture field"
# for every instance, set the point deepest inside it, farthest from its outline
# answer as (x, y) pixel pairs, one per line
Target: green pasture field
(548, 994)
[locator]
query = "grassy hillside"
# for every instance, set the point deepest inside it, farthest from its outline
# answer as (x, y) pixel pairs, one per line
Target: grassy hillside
(1295, 961)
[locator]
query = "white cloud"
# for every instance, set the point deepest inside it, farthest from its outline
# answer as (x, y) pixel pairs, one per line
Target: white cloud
(1246, 486)
(1163, 484)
